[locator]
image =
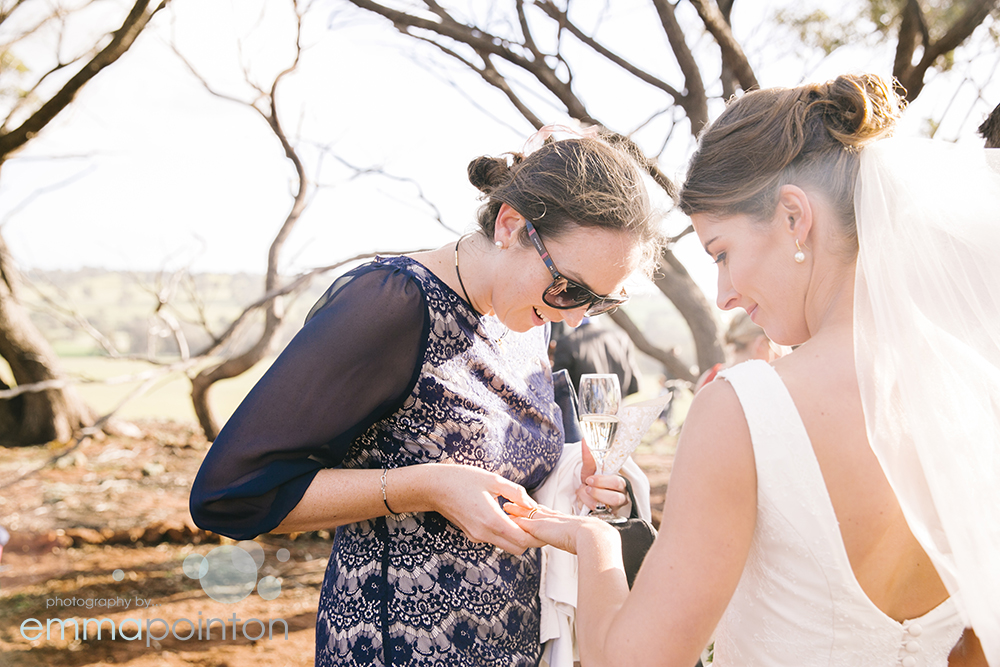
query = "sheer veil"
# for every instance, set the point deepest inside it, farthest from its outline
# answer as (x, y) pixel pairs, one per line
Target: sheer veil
(927, 346)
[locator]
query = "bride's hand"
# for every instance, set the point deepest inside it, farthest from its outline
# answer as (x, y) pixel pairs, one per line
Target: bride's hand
(560, 530)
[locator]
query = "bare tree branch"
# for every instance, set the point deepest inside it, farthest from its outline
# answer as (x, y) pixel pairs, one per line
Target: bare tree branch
(273, 310)
(213, 91)
(72, 318)
(733, 58)
(529, 41)
(297, 284)
(668, 358)
(464, 92)
(911, 29)
(27, 98)
(910, 75)
(163, 297)
(36, 24)
(366, 171)
(6, 13)
(558, 15)
(45, 385)
(489, 74)
(485, 44)
(694, 100)
(24, 203)
(678, 286)
(142, 12)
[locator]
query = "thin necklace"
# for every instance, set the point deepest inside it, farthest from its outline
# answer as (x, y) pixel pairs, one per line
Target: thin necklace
(466, 293)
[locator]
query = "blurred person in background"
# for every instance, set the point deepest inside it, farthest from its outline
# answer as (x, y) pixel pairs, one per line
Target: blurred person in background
(744, 340)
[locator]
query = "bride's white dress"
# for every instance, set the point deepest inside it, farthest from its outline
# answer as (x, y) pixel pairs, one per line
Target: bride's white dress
(798, 601)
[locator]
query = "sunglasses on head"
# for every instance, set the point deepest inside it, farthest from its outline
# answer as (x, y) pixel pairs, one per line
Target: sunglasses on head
(566, 294)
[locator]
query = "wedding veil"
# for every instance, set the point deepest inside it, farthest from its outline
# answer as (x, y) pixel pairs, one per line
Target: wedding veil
(927, 346)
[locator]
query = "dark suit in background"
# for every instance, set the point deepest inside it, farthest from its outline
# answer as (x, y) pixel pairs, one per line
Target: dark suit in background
(592, 348)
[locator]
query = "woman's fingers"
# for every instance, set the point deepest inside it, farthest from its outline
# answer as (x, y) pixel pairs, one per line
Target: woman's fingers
(469, 499)
(592, 496)
(589, 464)
(610, 482)
(515, 493)
(501, 531)
(608, 490)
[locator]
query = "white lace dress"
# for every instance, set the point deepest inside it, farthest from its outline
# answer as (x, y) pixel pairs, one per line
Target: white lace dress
(798, 601)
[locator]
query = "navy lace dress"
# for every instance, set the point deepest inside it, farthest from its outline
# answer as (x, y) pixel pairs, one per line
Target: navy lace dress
(393, 368)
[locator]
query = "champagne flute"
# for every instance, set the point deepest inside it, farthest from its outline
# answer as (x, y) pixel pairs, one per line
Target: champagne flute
(600, 397)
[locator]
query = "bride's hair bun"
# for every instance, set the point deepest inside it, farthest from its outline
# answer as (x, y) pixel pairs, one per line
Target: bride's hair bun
(858, 109)
(810, 136)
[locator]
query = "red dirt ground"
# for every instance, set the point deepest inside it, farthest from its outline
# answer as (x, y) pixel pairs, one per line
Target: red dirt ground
(120, 503)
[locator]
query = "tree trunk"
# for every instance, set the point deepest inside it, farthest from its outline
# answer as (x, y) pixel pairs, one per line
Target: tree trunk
(668, 358)
(678, 286)
(53, 414)
(201, 383)
(33, 417)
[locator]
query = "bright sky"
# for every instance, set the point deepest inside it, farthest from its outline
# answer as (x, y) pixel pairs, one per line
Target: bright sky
(147, 170)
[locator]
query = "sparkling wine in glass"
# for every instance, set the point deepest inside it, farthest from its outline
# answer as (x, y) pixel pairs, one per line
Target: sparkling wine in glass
(600, 397)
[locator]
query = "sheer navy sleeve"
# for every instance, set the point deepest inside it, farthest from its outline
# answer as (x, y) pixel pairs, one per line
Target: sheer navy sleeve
(355, 361)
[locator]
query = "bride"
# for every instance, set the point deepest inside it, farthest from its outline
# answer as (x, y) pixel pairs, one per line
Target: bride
(839, 506)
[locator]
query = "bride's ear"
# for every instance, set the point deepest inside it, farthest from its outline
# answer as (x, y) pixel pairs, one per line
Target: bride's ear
(794, 212)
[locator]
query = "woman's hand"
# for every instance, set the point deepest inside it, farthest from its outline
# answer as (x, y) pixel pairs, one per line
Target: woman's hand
(594, 490)
(467, 497)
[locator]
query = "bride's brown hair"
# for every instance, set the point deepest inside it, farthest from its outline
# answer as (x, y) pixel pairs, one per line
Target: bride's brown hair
(809, 136)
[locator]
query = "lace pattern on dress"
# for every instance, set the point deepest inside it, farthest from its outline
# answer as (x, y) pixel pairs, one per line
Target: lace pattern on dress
(412, 589)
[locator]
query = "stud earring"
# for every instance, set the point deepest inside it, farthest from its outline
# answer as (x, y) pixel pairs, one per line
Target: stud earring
(498, 244)
(799, 255)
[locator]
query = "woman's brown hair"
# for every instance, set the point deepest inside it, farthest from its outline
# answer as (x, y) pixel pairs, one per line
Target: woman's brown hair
(583, 181)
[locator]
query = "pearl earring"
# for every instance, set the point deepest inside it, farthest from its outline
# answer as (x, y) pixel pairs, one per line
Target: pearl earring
(498, 244)
(799, 256)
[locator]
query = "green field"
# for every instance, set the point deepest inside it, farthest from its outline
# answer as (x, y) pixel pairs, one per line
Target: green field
(169, 398)
(121, 305)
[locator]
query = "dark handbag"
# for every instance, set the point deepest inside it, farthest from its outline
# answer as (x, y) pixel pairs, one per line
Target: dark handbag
(637, 536)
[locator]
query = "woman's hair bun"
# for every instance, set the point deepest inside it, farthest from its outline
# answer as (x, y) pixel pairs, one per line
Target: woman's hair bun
(488, 173)
(859, 109)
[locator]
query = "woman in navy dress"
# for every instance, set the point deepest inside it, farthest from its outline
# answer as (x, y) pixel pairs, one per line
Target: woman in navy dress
(417, 395)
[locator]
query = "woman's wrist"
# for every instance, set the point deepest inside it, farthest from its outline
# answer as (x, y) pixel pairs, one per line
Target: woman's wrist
(394, 490)
(385, 496)
(407, 488)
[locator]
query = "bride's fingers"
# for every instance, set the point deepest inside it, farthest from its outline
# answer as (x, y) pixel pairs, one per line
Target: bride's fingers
(532, 540)
(551, 528)
(519, 511)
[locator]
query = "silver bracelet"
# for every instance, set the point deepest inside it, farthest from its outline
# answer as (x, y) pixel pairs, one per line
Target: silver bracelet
(385, 499)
